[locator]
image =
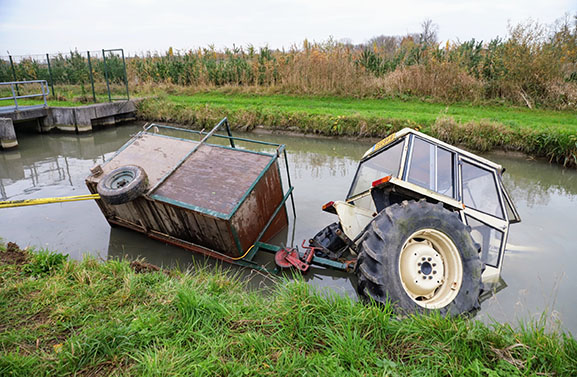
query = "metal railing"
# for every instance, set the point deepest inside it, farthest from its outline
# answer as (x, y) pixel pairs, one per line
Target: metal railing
(14, 87)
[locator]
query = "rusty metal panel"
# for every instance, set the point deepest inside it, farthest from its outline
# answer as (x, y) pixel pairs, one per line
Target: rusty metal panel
(150, 213)
(253, 214)
(177, 228)
(192, 227)
(214, 178)
(226, 233)
(195, 227)
(278, 224)
(156, 219)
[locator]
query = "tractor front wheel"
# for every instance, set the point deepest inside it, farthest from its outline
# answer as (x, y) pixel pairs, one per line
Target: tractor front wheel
(420, 256)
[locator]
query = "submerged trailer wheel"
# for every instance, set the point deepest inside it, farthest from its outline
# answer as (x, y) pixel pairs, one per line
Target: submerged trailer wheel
(123, 184)
(420, 257)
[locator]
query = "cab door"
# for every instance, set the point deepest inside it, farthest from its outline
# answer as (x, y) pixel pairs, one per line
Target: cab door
(485, 210)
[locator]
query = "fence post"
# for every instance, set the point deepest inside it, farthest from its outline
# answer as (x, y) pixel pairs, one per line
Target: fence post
(14, 74)
(125, 75)
(91, 77)
(14, 95)
(44, 90)
(50, 74)
(106, 74)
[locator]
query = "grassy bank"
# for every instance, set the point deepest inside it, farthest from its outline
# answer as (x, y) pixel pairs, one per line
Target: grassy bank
(60, 317)
(537, 132)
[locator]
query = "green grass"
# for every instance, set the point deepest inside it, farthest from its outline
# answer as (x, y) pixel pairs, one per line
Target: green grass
(30, 102)
(422, 113)
(51, 102)
(539, 133)
(419, 112)
(90, 318)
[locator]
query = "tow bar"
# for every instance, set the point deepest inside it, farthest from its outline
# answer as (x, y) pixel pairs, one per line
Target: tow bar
(291, 257)
(286, 258)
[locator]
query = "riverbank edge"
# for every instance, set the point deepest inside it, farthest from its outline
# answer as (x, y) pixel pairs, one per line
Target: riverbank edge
(555, 144)
(64, 317)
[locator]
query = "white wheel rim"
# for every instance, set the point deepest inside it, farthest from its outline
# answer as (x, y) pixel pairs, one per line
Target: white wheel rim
(431, 269)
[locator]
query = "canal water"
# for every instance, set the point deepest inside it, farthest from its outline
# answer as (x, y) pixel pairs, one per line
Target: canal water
(539, 277)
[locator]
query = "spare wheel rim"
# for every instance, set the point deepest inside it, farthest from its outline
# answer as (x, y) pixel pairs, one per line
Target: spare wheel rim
(430, 268)
(121, 179)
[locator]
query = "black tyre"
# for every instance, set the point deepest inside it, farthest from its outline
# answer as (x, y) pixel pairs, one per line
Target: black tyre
(420, 257)
(123, 184)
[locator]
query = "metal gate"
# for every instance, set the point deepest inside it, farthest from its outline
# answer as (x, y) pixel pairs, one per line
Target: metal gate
(107, 73)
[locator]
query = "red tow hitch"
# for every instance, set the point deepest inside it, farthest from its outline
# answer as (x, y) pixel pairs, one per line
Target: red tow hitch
(286, 258)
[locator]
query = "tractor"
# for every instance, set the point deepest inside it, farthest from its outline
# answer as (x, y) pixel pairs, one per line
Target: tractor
(427, 222)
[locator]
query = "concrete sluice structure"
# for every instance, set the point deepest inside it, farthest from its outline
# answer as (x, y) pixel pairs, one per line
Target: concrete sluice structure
(67, 119)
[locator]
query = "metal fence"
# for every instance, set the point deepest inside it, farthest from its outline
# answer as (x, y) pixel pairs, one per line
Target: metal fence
(92, 75)
(15, 90)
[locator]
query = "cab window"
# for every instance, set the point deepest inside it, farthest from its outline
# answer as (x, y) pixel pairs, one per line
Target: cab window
(480, 190)
(378, 166)
(431, 167)
(490, 240)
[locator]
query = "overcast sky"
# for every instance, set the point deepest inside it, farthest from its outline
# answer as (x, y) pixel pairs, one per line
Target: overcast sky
(40, 26)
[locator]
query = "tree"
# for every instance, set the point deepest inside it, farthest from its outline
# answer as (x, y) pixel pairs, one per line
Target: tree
(428, 35)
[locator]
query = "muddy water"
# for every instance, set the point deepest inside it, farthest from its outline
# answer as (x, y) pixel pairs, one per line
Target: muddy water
(539, 274)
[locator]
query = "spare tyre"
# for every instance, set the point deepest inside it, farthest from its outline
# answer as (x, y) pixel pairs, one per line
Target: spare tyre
(123, 184)
(420, 256)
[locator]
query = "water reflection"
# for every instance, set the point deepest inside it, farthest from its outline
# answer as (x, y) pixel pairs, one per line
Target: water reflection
(45, 160)
(535, 182)
(537, 267)
(35, 175)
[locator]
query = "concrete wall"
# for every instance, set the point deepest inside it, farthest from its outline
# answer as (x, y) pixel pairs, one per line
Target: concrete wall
(7, 134)
(25, 114)
(82, 118)
(71, 119)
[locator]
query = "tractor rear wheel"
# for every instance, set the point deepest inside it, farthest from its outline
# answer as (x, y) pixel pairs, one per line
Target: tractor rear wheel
(420, 256)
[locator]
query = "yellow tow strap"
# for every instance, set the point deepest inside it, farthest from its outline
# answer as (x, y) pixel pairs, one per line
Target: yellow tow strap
(33, 202)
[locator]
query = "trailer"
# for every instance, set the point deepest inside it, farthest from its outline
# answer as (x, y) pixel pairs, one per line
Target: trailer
(219, 200)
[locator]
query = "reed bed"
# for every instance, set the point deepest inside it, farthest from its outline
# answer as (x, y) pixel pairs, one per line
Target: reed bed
(534, 65)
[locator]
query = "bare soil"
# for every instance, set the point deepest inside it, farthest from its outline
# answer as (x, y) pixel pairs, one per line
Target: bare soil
(142, 267)
(14, 255)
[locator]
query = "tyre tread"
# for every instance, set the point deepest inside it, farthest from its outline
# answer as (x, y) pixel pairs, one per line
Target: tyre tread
(376, 263)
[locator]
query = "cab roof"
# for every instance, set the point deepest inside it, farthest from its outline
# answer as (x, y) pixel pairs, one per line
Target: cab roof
(407, 131)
